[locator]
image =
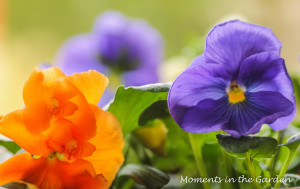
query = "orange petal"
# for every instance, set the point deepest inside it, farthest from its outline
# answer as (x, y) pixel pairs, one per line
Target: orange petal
(18, 167)
(59, 135)
(37, 118)
(109, 142)
(84, 121)
(92, 84)
(82, 117)
(13, 127)
(50, 173)
(84, 149)
(88, 182)
(50, 95)
(77, 175)
(39, 99)
(39, 86)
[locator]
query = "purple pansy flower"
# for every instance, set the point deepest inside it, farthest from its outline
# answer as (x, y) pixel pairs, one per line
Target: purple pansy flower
(127, 48)
(237, 84)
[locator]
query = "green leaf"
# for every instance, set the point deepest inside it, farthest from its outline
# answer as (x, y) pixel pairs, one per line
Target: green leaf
(257, 168)
(158, 109)
(157, 87)
(258, 147)
(10, 146)
(148, 176)
(19, 185)
(177, 143)
(281, 157)
(293, 142)
(139, 149)
(292, 180)
(15, 185)
(131, 102)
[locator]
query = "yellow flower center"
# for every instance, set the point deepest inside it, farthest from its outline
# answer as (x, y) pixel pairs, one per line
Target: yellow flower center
(235, 93)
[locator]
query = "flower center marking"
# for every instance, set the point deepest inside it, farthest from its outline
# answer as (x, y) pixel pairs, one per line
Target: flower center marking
(236, 93)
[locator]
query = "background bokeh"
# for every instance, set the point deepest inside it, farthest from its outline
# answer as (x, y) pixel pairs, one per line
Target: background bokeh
(31, 31)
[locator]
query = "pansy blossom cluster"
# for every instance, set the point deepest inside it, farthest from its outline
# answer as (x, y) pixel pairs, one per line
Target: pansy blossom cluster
(239, 83)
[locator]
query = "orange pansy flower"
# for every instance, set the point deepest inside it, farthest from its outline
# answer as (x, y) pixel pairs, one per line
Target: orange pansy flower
(70, 141)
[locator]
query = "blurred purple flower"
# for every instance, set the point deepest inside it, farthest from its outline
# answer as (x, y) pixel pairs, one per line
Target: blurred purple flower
(127, 48)
(237, 84)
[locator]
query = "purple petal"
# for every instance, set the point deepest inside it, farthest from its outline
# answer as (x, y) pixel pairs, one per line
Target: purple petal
(267, 72)
(140, 77)
(231, 42)
(258, 71)
(198, 82)
(259, 108)
(269, 106)
(236, 119)
(146, 43)
(140, 42)
(109, 33)
(79, 54)
(206, 116)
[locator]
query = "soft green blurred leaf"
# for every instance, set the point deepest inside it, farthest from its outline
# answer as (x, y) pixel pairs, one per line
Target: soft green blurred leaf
(139, 150)
(179, 155)
(258, 147)
(157, 87)
(281, 157)
(19, 185)
(15, 185)
(153, 136)
(240, 166)
(288, 132)
(263, 173)
(10, 146)
(148, 176)
(158, 109)
(296, 85)
(257, 168)
(295, 180)
(266, 174)
(293, 142)
(207, 138)
(131, 102)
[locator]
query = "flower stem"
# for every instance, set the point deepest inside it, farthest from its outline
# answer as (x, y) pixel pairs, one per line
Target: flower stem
(283, 170)
(197, 150)
(229, 169)
(251, 169)
(228, 163)
(271, 162)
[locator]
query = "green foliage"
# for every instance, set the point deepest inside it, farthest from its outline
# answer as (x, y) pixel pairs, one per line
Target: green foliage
(293, 142)
(158, 109)
(295, 180)
(179, 156)
(148, 176)
(135, 107)
(258, 147)
(18, 185)
(15, 185)
(10, 146)
(132, 102)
